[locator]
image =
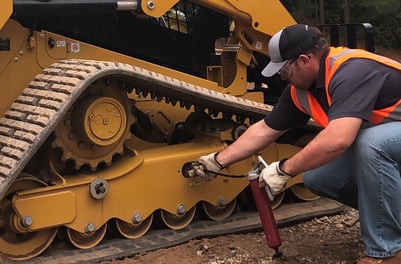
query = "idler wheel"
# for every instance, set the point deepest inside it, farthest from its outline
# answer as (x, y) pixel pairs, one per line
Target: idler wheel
(21, 245)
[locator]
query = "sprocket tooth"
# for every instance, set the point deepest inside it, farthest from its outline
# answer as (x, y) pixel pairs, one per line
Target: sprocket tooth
(227, 115)
(199, 108)
(138, 91)
(159, 98)
(240, 118)
(145, 93)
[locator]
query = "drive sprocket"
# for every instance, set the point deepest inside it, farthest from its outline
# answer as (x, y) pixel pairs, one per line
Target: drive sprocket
(96, 127)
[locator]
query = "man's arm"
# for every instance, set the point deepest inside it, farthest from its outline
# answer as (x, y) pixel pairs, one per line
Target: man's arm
(254, 139)
(329, 144)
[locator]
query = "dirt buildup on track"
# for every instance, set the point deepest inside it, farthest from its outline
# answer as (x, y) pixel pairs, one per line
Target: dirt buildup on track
(330, 239)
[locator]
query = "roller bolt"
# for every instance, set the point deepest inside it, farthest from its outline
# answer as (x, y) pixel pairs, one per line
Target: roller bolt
(89, 228)
(222, 202)
(181, 209)
(136, 218)
(27, 221)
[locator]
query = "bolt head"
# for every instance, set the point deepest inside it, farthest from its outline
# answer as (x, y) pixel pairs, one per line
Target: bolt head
(89, 228)
(27, 221)
(136, 218)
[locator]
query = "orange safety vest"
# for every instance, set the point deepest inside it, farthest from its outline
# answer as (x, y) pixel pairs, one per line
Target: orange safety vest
(307, 103)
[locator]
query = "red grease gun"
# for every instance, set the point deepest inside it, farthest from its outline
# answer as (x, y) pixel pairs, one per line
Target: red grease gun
(262, 196)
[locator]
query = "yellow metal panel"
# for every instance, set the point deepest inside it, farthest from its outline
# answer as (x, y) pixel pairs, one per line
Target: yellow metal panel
(5, 11)
(268, 16)
(18, 66)
(48, 209)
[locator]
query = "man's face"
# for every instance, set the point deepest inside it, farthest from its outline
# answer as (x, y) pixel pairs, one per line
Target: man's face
(300, 72)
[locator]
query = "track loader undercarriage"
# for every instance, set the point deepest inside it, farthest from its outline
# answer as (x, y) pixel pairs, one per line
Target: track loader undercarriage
(120, 182)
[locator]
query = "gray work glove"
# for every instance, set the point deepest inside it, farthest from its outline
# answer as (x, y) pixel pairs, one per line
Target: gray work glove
(210, 164)
(274, 178)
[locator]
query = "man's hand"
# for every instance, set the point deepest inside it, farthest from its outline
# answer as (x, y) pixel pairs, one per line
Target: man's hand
(210, 165)
(274, 177)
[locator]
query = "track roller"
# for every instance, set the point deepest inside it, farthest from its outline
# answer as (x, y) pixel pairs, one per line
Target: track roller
(303, 193)
(179, 221)
(218, 213)
(135, 230)
(278, 199)
(86, 240)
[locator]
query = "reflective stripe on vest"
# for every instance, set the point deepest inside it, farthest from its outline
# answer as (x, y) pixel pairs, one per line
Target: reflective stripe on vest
(307, 103)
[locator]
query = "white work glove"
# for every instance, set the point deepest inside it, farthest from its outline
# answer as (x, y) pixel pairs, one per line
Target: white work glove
(210, 164)
(274, 178)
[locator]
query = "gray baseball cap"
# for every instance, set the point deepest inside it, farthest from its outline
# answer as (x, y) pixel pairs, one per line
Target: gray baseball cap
(288, 44)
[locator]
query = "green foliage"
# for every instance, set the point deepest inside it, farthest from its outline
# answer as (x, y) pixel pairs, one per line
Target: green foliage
(384, 15)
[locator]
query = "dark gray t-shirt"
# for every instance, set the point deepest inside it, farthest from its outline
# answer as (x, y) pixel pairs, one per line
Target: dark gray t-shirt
(358, 87)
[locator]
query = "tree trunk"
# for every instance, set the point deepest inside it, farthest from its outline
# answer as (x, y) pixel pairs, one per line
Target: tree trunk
(346, 12)
(321, 12)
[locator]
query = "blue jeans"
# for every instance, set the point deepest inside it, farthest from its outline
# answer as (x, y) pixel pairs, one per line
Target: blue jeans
(367, 177)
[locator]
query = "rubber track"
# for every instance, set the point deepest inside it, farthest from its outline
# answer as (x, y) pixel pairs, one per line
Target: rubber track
(37, 111)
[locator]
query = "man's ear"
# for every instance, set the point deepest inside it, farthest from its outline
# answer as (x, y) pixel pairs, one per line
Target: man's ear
(305, 58)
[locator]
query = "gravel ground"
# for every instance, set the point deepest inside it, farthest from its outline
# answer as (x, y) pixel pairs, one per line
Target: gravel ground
(329, 240)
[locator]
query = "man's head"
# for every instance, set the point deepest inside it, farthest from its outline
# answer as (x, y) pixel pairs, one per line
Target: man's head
(289, 43)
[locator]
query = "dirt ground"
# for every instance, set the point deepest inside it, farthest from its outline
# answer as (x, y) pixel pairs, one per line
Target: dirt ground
(334, 239)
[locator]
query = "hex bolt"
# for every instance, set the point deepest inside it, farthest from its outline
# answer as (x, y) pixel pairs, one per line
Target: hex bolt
(89, 228)
(181, 209)
(222, 201)
(27, 221)
(136, 218)
(151, 5)
(81, 145)
(94, 147)
(100, 188)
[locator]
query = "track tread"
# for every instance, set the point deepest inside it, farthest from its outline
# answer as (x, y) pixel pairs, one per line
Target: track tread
(39, 108)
